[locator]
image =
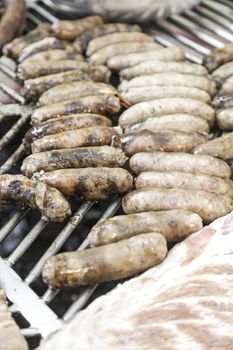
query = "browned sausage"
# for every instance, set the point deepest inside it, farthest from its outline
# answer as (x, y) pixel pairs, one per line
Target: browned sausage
(101, 264)
(100, 104)
(184, 162)
(164, 140)
(93, 184)
(208, 205)
(174, 225)
(34, 194)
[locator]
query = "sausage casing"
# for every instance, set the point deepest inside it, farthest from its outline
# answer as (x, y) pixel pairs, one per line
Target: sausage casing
(184, 181)
(221, 147)
(223, 72)
(114, 38)
(34, 194)
(174, 225)
(107, 263)
(208, 205)
(224, 118)
(72, 90)
(164, 140)
(152, 67)
(184, 162)
(100, 104)
(82, 157)
(93, 184)
(182, 122)
(91, 136)
(144, 110)
(66, 123)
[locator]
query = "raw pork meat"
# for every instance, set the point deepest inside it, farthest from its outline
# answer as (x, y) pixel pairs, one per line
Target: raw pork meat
(186, 302)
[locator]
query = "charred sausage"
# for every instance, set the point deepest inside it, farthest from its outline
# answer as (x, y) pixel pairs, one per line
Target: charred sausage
(208, 205)
(184, 162)
(174, 225)
(34, 194)
(96, 265)
(93, 184)
(82, 157)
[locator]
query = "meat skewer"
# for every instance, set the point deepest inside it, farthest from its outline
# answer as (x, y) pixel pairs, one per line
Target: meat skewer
(174, 225)
(100, 104)
(66, 123)
(184, 162)
(12, 20)
(82, 157)
(90, 136)
(163, 140)
(67, 270)
(34, 194)
(114, 38)
(93, 184)
(208, 205)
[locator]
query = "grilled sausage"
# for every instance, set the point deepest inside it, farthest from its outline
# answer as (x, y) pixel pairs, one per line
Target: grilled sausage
(34, 88)
(73, 90)
(174, 225)
(103, 30)
(45, 44)
(34, 194)
(227, 86)
(96, 265)
(144, 110)
(182, 122)
(91, 136)
(218, 57)
(70, 29)
(102, 55)
(100, 104)
(11, 20)
(114, 38)
(221, 147)
(70, 122)
(164, 140)
(82, 157)
(184, 162)
(140, 94)
(170, 79)
(14, 48)
(208, 205)
(224, 119)
(51, 67)
(167, 54)
(184, 181)
(223, 72)
(222, 101)
(152, 67)
(92, 183)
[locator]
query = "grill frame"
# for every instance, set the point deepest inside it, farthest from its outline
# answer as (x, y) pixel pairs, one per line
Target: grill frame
(197, 31)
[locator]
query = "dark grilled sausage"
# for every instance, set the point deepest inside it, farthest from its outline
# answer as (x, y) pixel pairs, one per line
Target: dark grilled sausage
(208, 205)
(101, 264)
(66, 123)
(82, 157)
(164, 140)
(92, 183)
(100, 104)
(91, 136)
(104, 29)
(70, 29)
(174, 225)
(184, 162)
(34, 194)
(14, 48)
(12, 20)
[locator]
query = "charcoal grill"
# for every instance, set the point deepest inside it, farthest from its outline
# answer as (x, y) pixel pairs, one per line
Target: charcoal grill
(199, 30)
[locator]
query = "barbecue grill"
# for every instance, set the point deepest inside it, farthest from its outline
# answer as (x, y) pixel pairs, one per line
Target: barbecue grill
(26, 240)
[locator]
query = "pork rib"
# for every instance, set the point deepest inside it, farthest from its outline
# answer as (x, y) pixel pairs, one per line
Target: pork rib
(184, 303)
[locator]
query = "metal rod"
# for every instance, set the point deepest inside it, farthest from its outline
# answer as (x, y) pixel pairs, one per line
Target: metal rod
(12, 93)
(10, 225)
(14, 130)
(11, 161)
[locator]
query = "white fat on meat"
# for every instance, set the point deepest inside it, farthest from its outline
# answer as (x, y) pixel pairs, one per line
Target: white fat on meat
(186, 302)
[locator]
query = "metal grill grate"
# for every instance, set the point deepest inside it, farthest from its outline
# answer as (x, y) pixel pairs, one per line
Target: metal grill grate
(199, 30)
